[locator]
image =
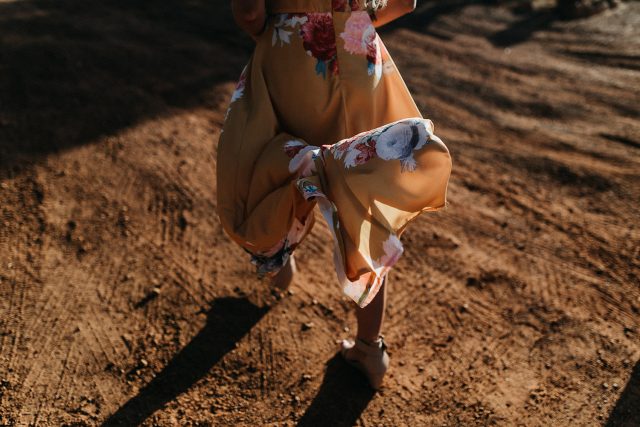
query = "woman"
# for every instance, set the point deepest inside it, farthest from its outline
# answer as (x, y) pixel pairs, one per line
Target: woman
(321, 115)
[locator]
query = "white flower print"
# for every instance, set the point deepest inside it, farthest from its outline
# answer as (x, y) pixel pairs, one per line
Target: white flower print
(303, 161)
(398, 141)
(239, 90)
(279, 31)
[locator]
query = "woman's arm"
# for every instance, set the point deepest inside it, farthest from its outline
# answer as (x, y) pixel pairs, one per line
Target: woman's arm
(393, 10)
(250, 15)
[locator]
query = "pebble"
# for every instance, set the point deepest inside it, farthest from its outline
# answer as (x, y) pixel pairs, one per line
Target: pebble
(307, 326)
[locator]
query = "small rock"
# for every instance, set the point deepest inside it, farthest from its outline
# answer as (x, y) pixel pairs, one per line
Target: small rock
(307, 326)
(346, 329)
(306, 377)
(616, 385)
(144, 362)
(474, 282)
(605, 386)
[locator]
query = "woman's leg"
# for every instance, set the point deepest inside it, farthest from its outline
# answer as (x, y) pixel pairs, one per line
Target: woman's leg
(368, 353)
(371, 317)
(283, 279)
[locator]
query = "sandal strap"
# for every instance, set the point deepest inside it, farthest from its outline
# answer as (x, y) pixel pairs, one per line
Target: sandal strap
(374, 347)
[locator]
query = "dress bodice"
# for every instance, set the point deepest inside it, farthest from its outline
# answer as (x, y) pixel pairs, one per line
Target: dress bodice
(300, 6)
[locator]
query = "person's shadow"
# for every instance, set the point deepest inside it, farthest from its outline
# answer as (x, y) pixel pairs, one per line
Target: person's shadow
(627, 410)
(228, 320)
(343, 396)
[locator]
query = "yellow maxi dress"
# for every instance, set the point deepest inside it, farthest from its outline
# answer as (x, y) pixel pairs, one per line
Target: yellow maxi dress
(321, 115)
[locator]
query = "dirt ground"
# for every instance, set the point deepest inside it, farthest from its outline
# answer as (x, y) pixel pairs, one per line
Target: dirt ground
(122, 302)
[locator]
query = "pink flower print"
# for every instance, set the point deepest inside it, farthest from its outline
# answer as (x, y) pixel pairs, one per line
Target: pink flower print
(358, 32)
(360, 38)
(392, 251)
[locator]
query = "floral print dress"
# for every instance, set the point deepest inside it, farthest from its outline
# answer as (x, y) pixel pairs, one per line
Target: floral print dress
(321, 116)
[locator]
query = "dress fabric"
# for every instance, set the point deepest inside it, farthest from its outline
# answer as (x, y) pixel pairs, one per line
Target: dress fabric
(321, 115)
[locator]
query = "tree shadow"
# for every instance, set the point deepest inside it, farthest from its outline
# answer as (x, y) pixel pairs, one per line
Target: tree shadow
(72, 71)
(228, 320)
(626, 413)
(428, 12)
(343, 396)
(522, 30)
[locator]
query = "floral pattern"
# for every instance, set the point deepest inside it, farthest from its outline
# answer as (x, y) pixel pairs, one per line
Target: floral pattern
(270, 262)
(319, 40)
(286, 20)
(360, 38)
(396, 141)
(317, 31)
(293, 147)
(239, 90)
(365, 207)
(341, 5)
(302, 157)
(242, 82)
(318, 37)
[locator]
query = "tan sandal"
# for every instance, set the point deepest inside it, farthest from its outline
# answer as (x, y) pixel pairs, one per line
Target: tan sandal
(373, 362)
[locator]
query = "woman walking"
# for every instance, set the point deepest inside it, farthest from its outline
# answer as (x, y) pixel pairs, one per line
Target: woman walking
(322, 116)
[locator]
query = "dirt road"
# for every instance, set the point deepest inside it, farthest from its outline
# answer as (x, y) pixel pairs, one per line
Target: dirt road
(123, 302)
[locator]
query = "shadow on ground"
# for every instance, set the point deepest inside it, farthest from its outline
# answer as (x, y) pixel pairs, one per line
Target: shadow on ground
(343, 396)
(74, 70)
(626, 413)
(520, 31)
(228, 320)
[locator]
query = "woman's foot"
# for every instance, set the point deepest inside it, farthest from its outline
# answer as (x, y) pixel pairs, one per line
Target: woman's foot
(370, 358)
(283, 279)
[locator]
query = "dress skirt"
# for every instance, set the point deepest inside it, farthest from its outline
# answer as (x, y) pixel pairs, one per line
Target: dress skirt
(321, 115)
